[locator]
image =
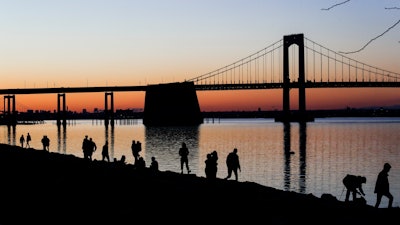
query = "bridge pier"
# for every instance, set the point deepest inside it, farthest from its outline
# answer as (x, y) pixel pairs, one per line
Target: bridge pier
(109, 112)
(61, 112)
(173, 104)
(9, 113)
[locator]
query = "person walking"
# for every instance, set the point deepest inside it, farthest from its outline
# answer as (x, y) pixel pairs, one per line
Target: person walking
(382, 186)
(104, 152)
(183, 153)
(353, 185)
(233, 164)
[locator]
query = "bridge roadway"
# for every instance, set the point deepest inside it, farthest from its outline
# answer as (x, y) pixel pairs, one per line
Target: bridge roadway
(207, 87)
(71, 90)
(200, 87)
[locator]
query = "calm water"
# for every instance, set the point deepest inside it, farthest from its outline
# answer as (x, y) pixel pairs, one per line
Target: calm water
(311, 158)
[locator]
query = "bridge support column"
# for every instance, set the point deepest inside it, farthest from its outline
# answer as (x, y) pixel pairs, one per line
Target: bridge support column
(61, 112)
(288, 116)
(9, 112)
(109, 113)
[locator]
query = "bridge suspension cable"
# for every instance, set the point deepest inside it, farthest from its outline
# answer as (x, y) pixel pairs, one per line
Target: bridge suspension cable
(351, 70)
(258, 67)
(323, 65)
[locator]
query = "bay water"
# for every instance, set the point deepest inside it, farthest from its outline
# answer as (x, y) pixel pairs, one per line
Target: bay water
(309, 158)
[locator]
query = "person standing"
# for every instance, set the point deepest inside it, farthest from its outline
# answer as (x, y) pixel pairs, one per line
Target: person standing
(183, 153)
(28, 139)
(46, 143)
(382, 186)
(233, 164)
(85, 147)
(92, 148)
(136, 148)
(104, 152)
(211, 165)
(22, 140)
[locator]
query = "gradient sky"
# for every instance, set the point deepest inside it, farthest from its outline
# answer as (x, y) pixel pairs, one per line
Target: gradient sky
(55, 43)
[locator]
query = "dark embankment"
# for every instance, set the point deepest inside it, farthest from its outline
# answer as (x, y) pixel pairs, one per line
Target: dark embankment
(38, 187)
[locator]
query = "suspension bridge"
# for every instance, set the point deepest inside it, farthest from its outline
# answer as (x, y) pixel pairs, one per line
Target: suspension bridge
(294, 62)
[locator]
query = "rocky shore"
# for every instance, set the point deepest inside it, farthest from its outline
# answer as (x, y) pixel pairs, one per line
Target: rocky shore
(39, 187)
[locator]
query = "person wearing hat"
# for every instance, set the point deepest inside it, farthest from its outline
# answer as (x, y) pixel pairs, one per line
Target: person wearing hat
(353, 185)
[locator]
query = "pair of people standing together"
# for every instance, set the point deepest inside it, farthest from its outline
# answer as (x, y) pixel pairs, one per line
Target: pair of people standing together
(88, 147)
(232, 162)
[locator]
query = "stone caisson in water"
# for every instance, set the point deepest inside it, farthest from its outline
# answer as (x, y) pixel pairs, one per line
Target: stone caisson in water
(172, 104)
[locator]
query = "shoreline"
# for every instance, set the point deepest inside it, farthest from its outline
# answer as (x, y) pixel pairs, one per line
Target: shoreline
(53, 188)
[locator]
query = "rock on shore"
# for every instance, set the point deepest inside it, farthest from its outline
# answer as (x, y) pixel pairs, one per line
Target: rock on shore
(39, 187)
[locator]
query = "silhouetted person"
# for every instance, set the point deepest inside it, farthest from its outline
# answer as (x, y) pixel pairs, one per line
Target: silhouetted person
(46, 143)
(141, 164)
(208, 167)
(123, 159)
(214, 155)
(92, 147)
(353, 185)
(233, 164)
(28, 140)
(183, 153)
(22, 140)
(85, 147)
(120, 162)
(382, 186)
(211, 165)
(154, 164)
(104, 152)
(136, 148)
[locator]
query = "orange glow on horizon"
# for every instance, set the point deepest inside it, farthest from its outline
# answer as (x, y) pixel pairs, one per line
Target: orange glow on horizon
(234, 100)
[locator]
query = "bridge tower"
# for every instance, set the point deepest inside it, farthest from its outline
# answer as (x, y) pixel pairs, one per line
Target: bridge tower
(109, 111)
(301, 115)
(61, 110)
(10, 114)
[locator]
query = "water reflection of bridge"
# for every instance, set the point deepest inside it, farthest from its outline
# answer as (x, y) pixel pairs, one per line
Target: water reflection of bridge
(294, 62)
(302, 156)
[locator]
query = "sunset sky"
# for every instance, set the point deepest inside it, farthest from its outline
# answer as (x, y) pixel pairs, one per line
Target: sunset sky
(75, 43)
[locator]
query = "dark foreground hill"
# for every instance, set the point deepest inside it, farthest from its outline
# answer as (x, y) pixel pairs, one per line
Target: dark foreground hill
(39, 187)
